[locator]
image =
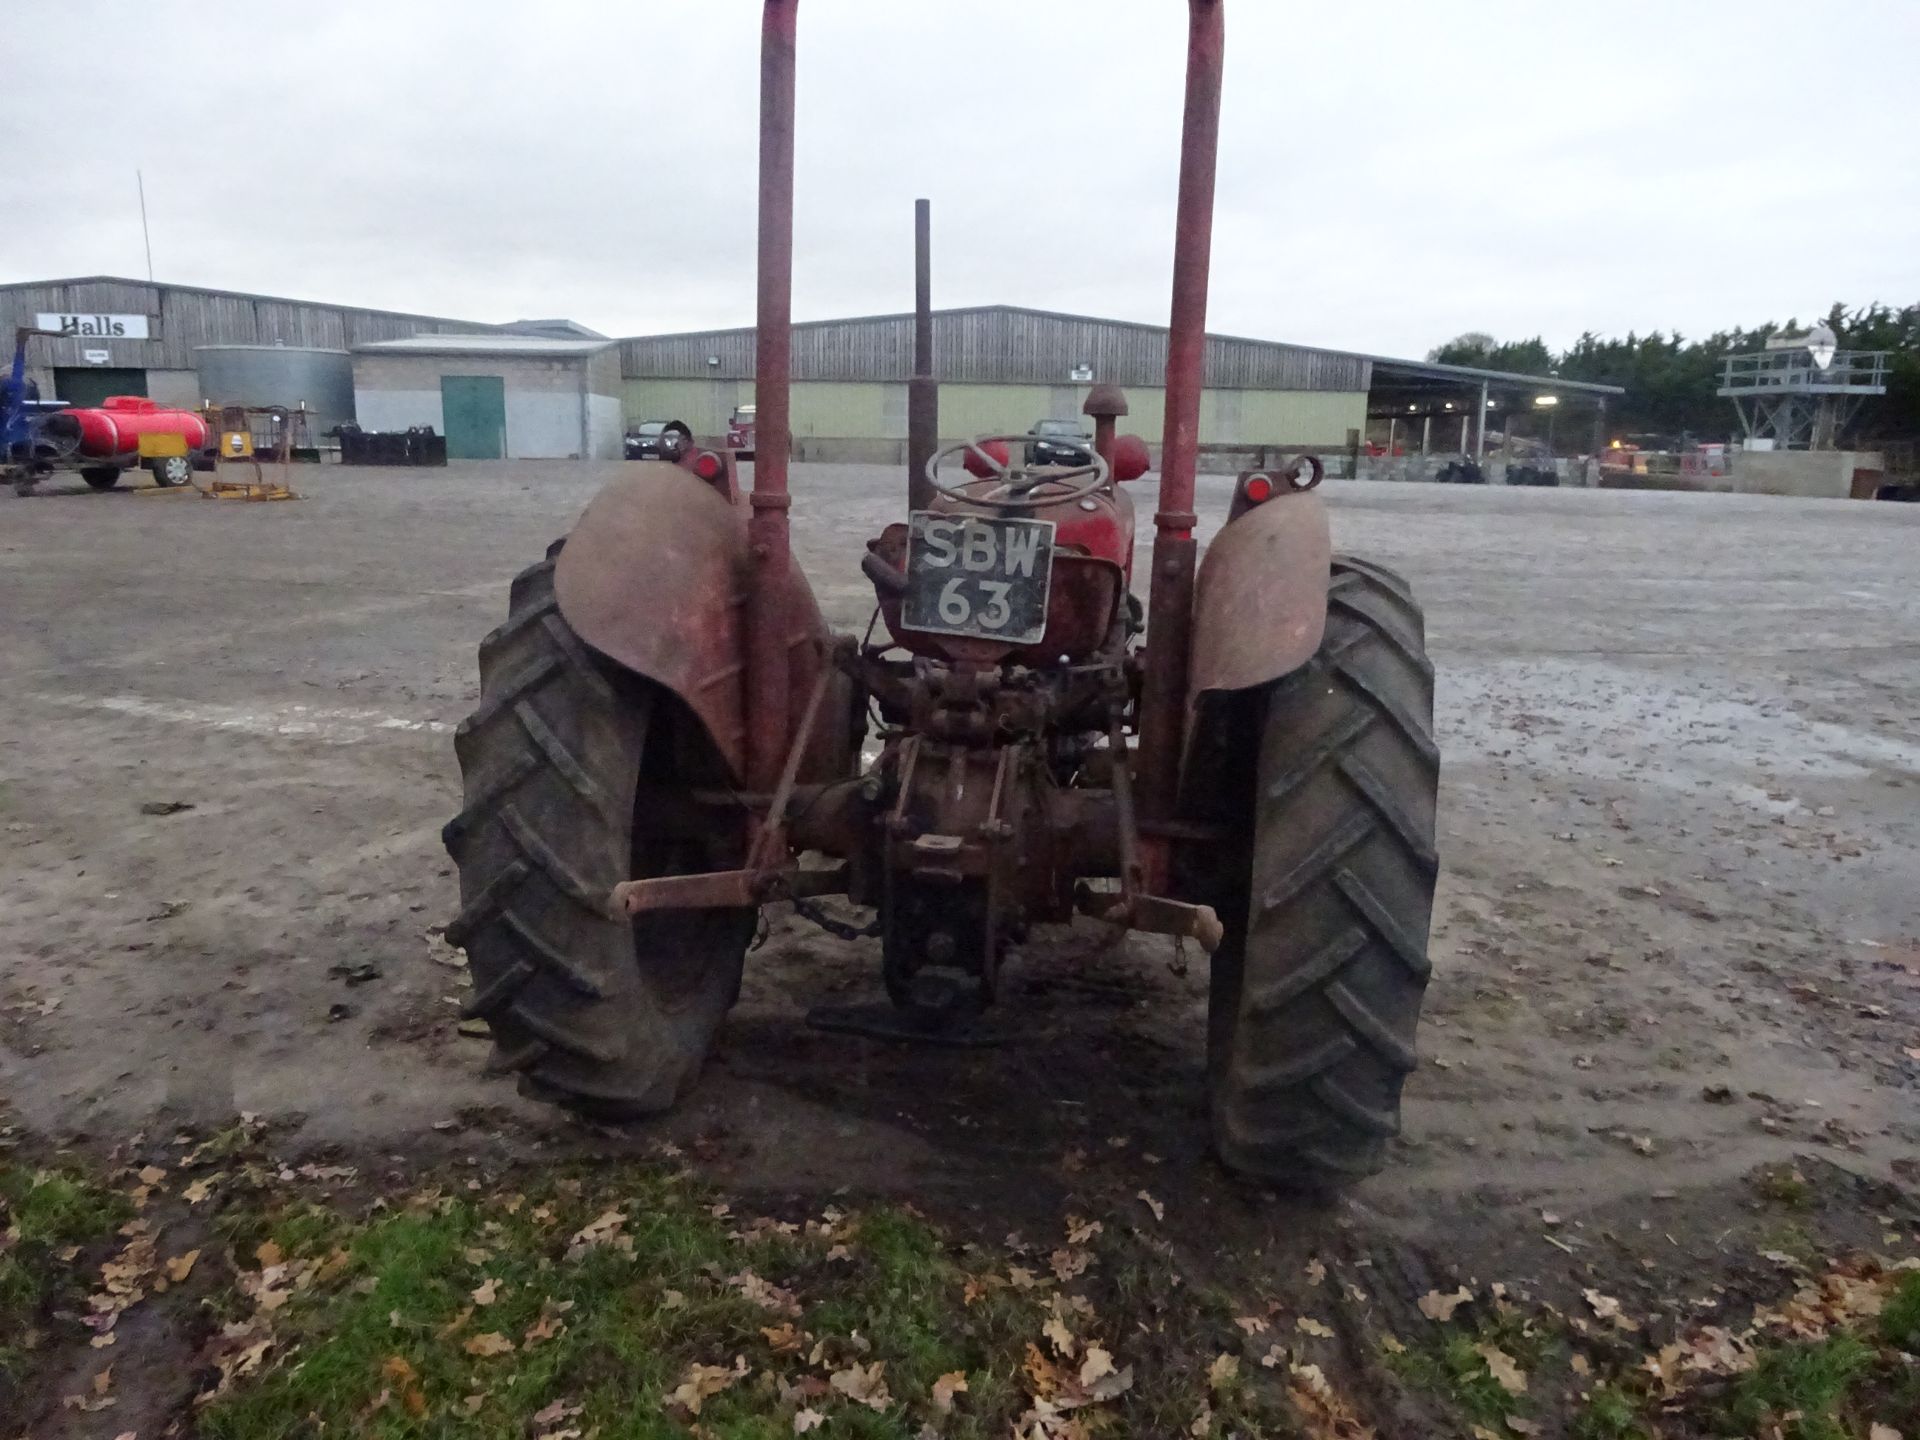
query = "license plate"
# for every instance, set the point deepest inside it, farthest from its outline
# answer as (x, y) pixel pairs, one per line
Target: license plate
(978, 575)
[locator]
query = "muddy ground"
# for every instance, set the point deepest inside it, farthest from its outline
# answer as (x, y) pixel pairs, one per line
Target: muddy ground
(1677, 936)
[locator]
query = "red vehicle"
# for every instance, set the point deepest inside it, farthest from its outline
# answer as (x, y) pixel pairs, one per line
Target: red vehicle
(740, 431)
(669, 737)
(103, 443)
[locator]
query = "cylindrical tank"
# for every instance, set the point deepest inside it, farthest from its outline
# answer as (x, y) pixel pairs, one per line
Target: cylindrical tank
(280, 375)
(113, 430)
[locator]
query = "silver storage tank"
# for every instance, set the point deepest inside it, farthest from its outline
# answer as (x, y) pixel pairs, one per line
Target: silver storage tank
(280, 375)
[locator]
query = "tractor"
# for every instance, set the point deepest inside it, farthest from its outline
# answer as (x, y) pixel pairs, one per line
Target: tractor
(669, 738)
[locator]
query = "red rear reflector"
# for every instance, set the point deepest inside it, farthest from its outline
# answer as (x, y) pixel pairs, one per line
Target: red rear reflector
(707, 465)
(1258, 488)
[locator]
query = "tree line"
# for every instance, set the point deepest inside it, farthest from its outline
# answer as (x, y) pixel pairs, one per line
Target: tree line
(1670, 380)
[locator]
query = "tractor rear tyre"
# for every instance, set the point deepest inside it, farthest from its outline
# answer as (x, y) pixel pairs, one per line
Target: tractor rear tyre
(1316, 988)
(101, 477)
(571, 765)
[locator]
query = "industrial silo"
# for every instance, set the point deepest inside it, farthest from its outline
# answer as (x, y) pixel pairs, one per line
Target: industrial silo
(280, 375)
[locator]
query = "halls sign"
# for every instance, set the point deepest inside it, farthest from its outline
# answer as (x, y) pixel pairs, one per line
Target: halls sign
(96, 327)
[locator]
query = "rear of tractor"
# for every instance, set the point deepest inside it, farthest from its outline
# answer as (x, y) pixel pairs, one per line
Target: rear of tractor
(667, 727)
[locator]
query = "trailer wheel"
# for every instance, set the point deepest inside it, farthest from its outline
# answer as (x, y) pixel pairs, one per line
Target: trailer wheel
(101, 477)
(171, 470)
(570, 766)
(1316, 988)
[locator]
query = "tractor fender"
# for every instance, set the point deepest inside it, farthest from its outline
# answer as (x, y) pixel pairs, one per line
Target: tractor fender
(654, 576)
(1260, 602)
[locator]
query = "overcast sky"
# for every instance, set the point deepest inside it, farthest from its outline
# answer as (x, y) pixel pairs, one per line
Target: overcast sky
(1391, 173)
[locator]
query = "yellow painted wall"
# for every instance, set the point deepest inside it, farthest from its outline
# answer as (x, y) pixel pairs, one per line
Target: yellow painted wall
(834, 410)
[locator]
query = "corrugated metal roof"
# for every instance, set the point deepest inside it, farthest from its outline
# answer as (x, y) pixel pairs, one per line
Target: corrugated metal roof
(144, 285)
(483, 345)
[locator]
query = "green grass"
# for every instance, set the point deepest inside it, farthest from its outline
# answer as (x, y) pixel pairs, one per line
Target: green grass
(883, 1286)
(1453, 1368)
(1810, 1381)
(1610, 1413)
(1783, 1185)
(42, 1212)
(1900, 1320)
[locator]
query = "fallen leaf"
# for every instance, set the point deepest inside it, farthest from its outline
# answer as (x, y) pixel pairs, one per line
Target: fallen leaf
(269, 1254)
(1021, 1278)
(783, 1339)
(490, 1343)
(1275, 1357)
(765, 1294)
(1878, 1431)
(805, 1420)
(1307, 1325)
(181, 1266)
(1222, 1371)
(1522, 1427)
(1436, 1306)
(603, 1229)
(866, 1384)
(1062, 1338)
(946, 1387)
(1508, 1375)
(1580, 1365)
(547, 1324)
(1391, 1344)
(1252, 1324)
(1159, 1210)
(1316, 1272)
(556, 1412)
(1068, 1263)
(486, 1292)
(1097, 1364)
(197, 1191)
(671, 1299)
(1080, 1231)
(151, 1175)
(700, 1381)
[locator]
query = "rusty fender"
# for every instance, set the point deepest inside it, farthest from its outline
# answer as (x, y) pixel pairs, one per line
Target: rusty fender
(1260, 603)
(654, 576)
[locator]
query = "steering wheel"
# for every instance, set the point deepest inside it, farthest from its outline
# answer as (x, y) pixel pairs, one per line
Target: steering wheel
(1013, 483)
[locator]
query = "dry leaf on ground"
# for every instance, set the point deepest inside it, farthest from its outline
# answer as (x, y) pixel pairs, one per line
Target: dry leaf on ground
(1222, 1372)
(805, 1420)
(1159, 1210)
(181, 1266)
(1061, 1337)
(1307, 1325)
(1097, 1364)
(866, 1384)
(700, 1381)
(946, 1387)
(491, 1343)
(486, 1292)
(1066, 1264)
(1505, 1371)
(1436, 1306)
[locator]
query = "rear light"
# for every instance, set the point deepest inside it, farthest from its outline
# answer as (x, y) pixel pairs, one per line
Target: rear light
(1257, 488)
(708, 466)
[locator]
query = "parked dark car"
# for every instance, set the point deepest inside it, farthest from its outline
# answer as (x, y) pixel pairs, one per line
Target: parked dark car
(1059, 442)
(658, 440)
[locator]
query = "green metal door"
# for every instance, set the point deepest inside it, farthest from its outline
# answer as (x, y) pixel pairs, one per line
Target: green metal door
(474, 408)
(85, 386)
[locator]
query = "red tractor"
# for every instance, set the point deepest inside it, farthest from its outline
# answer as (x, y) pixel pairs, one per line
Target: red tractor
(669, 738)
